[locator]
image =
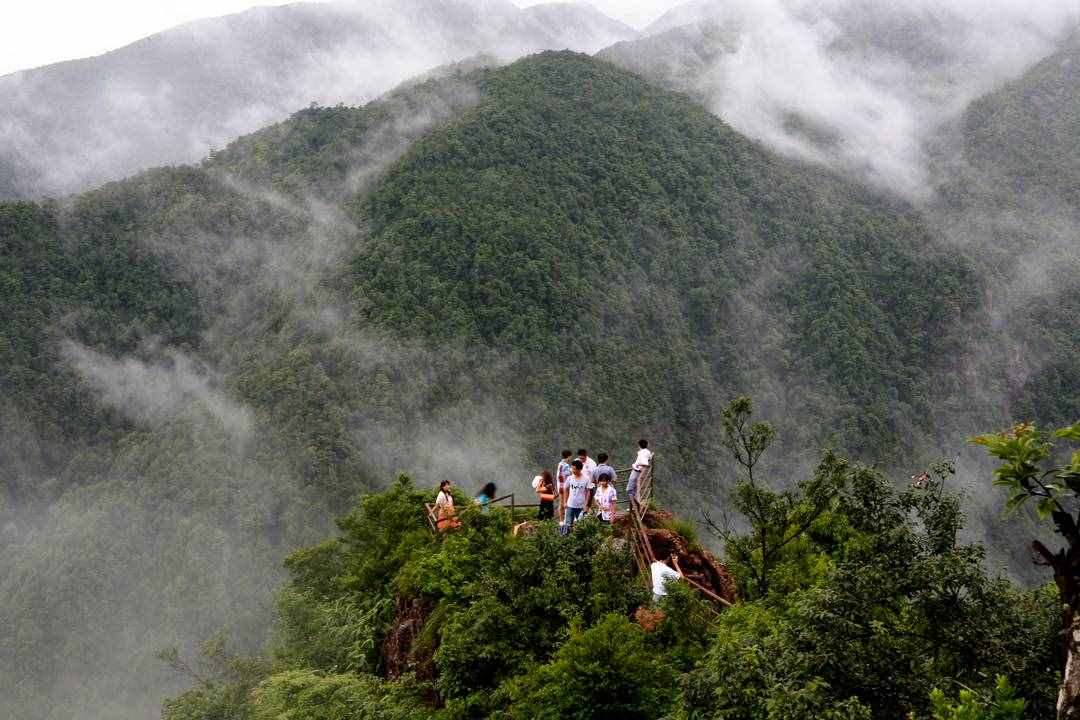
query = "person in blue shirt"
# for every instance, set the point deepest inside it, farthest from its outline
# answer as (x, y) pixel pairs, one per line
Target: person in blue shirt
(487, 494)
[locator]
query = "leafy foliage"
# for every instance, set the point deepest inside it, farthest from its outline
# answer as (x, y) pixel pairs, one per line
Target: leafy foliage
(779, 520)
(1003, 706)
(539, 626)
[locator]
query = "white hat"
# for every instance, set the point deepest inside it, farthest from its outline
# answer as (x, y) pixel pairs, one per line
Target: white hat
(536, 482)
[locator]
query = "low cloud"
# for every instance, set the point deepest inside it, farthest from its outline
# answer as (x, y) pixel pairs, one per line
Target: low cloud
(860, 85)
(158, 391)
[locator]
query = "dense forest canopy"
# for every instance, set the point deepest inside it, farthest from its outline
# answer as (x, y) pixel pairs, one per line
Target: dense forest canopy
(874, 610)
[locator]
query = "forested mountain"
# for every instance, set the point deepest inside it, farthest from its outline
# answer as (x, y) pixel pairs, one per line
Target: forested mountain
(172, 97)
(204, 363)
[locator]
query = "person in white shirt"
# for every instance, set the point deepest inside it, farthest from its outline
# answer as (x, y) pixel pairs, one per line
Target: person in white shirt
(661, 574)
(588, 465)
(644, 459)
(444, 508)
(604, 498)
(577, 493)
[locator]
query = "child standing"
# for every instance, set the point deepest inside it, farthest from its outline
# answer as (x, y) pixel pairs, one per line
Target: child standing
(605, 498)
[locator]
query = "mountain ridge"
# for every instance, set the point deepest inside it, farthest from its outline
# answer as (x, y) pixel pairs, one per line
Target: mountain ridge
(172, 97)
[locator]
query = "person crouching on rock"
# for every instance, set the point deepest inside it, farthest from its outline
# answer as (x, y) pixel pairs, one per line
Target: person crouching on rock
(662, 573)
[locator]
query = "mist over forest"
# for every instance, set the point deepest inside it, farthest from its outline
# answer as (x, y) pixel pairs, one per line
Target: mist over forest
(257, 266)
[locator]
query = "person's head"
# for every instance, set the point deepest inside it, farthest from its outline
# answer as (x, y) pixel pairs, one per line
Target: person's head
(578, 466)
(601, 458)
(488, 490)
(546, 479)
(582, 453)
(604, 480)
(444, 486)
(566, 454)
(643, 444)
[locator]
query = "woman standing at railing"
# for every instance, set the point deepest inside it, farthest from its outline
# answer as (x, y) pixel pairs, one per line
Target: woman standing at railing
(444, 508)
(487, 494)
(545, 490)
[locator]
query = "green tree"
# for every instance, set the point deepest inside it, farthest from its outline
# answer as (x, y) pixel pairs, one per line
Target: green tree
(610, 671)
(1033, 469)
(222, 683)
(1004, 705)
(310, 695)
(897, 605)
(778, 520)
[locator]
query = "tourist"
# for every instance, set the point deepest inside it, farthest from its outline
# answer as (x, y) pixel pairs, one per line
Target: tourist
(605, 499)
(545, 490)
(588, 465)
(487, 494)
(661, 575)
(577, 493)
(444, 508)
(602, 469)
(643, 460)
(562, 475)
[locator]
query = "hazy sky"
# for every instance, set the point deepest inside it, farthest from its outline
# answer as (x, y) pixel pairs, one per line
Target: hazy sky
(47, 31)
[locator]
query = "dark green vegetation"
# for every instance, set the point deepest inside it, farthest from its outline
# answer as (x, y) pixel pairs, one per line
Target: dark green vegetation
(201, 364)
(580, 218)
(1036, 466)
(874, 610)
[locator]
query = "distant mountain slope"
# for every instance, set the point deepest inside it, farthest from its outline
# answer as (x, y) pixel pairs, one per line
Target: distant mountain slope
(1009, 197)
(583, 218)
(688, 13)
(857, 85)
(679, 58)
(172, 97)
(1023, 136)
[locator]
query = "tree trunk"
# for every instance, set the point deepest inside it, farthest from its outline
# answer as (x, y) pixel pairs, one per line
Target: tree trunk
(1068, 704)
(1066, 566)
